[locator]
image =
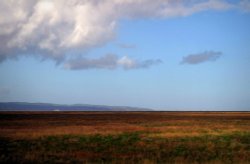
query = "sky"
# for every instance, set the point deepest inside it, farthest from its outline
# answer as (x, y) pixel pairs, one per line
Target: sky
(161, 54)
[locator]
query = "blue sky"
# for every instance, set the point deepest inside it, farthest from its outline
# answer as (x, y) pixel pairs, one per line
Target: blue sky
(195, 58)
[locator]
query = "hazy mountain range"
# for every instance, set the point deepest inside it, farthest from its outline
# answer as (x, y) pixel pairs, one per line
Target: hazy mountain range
(24, 106)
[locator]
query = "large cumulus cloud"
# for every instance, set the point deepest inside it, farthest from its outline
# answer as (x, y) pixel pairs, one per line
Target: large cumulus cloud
(53, 29)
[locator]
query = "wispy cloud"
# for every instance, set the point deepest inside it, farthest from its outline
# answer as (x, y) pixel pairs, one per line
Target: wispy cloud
(127, 46)
(128, 63)
(109, 61)
(201, 57)
(52, 29)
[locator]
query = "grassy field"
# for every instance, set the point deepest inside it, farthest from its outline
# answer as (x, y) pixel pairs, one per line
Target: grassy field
(125, 137)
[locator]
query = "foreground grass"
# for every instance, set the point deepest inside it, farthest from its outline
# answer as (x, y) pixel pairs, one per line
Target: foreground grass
(135, 147)
(125, 137)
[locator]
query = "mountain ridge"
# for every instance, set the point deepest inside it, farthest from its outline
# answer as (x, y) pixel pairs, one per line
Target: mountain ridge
(26, 106)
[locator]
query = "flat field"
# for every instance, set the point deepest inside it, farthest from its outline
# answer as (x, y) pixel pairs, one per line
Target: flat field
(125, 137)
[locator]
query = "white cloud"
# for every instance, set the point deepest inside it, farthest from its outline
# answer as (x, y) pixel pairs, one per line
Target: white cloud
(126, 62)
(51, 29)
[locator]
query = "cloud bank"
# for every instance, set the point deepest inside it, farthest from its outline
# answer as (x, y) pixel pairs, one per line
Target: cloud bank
(53, 29)
(201, 57)
(109, 61)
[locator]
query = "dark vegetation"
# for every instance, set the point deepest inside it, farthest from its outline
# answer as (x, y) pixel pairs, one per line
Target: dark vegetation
(131, 137)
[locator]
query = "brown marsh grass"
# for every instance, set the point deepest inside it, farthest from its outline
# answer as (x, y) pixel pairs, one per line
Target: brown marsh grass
(125, 137)
(168, 124)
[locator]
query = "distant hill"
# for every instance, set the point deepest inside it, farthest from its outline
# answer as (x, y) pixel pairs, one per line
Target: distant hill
(24, 106)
